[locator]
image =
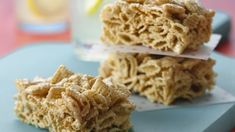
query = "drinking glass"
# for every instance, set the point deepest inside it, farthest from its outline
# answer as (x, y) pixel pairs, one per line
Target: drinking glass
(86, 26)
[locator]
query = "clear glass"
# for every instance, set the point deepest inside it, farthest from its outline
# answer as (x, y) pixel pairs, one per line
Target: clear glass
(86, 28)
(42, 16)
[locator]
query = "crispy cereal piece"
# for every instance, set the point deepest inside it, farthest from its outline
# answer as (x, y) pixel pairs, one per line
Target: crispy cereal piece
(168, 25)
(160, 78)
(70, 102)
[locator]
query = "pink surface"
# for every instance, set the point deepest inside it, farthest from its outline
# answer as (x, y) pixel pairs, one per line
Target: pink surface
(7, 26)
(227, 6)
(11, 37)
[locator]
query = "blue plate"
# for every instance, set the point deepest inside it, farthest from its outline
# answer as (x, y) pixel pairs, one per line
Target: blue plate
(43, 59)
(222, 24)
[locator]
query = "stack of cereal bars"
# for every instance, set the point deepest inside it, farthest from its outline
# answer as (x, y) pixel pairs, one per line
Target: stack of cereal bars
(165, 25)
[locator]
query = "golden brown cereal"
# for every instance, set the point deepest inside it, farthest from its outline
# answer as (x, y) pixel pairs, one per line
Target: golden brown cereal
(70, 102)
(160, 78)
(168, 25)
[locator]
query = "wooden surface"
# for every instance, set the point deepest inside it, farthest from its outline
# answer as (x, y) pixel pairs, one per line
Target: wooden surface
(11, 37)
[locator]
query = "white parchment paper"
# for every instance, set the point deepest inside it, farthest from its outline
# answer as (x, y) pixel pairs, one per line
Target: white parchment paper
(203, 53)
(216, 96)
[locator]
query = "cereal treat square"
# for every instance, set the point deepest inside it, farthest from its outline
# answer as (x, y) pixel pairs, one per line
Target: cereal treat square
(167, 25)
(69, 102)
(160, 78)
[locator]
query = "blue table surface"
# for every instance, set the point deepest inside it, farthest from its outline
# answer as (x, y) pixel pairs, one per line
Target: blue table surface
(43, 59)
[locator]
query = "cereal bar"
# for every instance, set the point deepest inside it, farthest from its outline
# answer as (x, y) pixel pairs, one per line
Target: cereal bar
(69, 102)
(160, 78)
(167, 25)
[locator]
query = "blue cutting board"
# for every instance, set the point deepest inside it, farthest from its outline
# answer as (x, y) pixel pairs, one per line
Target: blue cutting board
(222, 24)
(43, 59)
